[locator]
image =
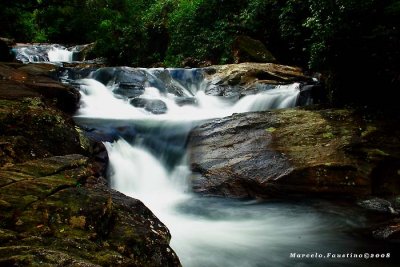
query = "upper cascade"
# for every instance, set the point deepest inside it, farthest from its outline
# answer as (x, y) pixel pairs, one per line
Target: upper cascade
(175, 94)
(43, 53)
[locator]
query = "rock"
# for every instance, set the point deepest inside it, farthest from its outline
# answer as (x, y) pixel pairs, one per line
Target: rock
(388, 231)
(165, 77)
(19, 80)
(5, 50)
(57, 211)
(83, 52)
(129, 90)
(246, 73)
(191, 62)
(247, 49)
(183, 101)
(31, 130)
(128, 82)
(9, 42)
(154, 106)
(250, 78)
(378, 205)
(294, 152)
(26, 53)
(225, 90)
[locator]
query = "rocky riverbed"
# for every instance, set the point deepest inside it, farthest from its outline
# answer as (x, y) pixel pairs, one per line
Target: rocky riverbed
(56, 207)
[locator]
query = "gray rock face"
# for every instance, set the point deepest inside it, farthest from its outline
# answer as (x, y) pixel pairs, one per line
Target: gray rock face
(294, 152)
(154, 106)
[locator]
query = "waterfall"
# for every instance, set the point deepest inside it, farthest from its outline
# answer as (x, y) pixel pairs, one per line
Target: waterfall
(210, 232)
(42, 53)
(60, 54)
(146, 115)
(110, 98)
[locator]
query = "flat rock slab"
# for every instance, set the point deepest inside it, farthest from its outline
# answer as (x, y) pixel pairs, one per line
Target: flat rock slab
(296, 152)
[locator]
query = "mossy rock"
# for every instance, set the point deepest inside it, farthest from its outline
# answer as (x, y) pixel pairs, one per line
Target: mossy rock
(58, 208)
(293, 152)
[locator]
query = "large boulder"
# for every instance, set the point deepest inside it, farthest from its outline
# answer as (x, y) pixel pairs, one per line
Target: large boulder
(83, 52)
(296, 152)
(247, 49)
(18, 80)
(29, 130)
(251, 78)
(57, 211)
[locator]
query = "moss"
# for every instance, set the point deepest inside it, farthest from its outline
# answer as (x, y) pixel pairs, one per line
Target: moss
(78, 222)
(328, 135)
(42, 131)
(270, 129)
(369, 130)
(83, 140)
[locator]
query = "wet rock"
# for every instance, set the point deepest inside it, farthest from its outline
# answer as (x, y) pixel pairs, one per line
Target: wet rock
(250, 78)
(378, 205)
(225, 90)
(58, 210)
(183, 101)
(83, 52)
(165, 77)
(24, 80)
(247, 49)
(26, 53)
(154, 106)
(31, 130)
(129, 90)
(71, 74)
(128, 82)
(388, 231)
(293, 152)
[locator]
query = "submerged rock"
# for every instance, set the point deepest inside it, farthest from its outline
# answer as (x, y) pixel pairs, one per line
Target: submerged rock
(154, 106)
(183, 101)
(295, 152)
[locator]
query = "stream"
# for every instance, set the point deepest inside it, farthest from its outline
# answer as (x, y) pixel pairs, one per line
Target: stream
(146, 140)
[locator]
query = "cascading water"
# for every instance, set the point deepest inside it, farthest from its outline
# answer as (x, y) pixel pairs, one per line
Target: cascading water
(147, 152)
(57, 54)
(43, 53)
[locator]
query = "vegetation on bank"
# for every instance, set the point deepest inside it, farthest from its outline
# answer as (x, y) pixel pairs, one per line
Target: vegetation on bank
(349, 41)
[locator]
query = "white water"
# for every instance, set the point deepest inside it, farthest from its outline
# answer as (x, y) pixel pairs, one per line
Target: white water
(60, 54)
(219, 234)
(205, 231)
(43, 53)
(98, 101)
